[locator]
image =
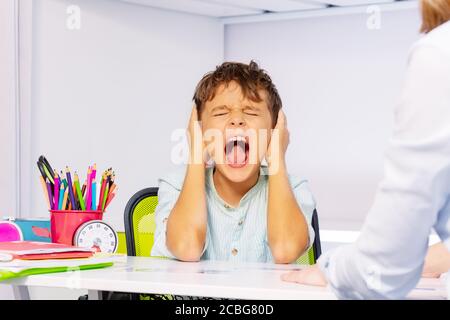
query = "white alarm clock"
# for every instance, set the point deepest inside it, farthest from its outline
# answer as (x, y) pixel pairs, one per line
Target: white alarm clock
(98, 235)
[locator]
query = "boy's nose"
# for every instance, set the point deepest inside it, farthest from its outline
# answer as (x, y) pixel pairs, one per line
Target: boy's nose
(237, 122)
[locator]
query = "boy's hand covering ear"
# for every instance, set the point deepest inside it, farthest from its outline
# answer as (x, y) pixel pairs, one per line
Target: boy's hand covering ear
(279, 142)
(197, 149)
(195, 138)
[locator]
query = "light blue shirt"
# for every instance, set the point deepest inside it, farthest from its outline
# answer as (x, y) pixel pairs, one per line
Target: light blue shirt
(233, 234)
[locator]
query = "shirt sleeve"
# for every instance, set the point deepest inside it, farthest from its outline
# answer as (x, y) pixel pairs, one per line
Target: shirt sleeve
(168, 193)
(307, 204)
(167, 197)
(387, 259)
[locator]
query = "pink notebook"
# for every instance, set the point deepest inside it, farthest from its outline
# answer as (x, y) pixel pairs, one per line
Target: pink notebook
(29, 250)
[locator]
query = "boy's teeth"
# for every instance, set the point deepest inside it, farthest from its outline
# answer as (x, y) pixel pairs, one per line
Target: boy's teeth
(237, 138)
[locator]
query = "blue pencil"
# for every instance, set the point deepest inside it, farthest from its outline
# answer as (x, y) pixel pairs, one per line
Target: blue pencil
(94, 195)
(61, 196)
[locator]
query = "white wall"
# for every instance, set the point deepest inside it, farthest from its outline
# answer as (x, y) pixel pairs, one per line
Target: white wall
(339, 82)
(113, 91)
(7, 117)
(8, 179)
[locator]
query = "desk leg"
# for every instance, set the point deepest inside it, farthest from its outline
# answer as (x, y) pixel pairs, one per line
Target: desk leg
(21, 293)
(94, 295)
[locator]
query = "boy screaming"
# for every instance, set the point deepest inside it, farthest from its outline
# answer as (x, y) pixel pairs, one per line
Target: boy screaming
(237, 209)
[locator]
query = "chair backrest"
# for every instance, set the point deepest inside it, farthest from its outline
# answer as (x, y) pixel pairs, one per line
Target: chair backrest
(140, 222)
(140, 227)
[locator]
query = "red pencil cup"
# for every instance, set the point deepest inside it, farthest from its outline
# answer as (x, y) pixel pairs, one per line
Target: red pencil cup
(64, 223)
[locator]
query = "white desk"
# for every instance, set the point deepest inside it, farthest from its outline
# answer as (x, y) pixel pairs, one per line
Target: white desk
(206, 278)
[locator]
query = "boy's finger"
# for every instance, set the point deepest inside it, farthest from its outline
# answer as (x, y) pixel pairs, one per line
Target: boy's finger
(281, 122)
(194, 114)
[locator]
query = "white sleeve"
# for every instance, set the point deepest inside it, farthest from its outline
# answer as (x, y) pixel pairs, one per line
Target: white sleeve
(387, 259)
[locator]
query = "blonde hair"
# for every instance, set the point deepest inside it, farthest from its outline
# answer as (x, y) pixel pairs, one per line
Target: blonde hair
(434, 13)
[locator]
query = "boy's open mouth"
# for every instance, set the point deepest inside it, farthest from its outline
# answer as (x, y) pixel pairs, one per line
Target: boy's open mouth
(236, 151)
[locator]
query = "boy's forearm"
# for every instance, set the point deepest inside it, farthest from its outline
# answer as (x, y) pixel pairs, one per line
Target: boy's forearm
(186, 226)
(286, 226)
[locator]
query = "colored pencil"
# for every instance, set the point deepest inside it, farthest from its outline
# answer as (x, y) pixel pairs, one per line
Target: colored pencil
(49, 175)
(88, 189)
(102, 191)
(49, 191)
(44, 188)
(64, 203)
(94, 195)
(75, 195)
(62, 189)
(113, 187)
(63, 180)
(71, 196)
(47, 167)
(110, 195)
(94, 171)
(93, 192)
(110, 199)
(61, 196)
(105, 196)
(56, 192)
(113, 177)
(78, 190)
(42, 171)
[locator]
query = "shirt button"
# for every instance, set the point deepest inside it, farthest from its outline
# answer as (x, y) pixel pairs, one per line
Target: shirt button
(226, 206)
(234, 252)
(240, 222)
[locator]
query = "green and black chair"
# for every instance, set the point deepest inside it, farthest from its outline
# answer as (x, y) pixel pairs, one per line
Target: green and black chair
(140, 226)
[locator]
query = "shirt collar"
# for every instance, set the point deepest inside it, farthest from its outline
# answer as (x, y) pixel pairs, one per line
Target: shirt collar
(263, 173)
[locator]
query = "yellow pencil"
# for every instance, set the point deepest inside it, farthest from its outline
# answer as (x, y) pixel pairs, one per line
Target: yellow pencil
(64, 204)
(44, 187)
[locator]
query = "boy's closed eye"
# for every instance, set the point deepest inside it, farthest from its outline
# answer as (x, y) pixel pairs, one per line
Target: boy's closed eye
(252, 111)
(223, 110)
(219, 111)
(218, 114)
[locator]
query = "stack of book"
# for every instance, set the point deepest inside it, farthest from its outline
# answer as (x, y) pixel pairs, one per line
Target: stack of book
(23, 258)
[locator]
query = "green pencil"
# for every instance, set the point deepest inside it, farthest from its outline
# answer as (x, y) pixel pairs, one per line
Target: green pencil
(78, 190)
(105, 196)
(63, 180)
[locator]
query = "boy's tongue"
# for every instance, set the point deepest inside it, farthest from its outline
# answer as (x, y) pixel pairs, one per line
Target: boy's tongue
(236, 154)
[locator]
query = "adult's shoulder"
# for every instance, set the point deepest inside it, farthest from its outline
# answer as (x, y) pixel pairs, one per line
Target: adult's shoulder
(437, 39)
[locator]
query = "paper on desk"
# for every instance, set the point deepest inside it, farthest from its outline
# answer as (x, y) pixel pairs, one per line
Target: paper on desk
(20, 268)
(4, 257)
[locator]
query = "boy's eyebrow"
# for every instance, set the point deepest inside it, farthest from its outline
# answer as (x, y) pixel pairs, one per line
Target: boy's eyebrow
(254, 108)
(221, 107)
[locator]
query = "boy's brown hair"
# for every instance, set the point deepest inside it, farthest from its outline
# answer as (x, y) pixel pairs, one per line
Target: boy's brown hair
(249, 77)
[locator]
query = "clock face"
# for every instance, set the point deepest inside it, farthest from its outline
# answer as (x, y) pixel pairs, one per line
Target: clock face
(97, 235)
